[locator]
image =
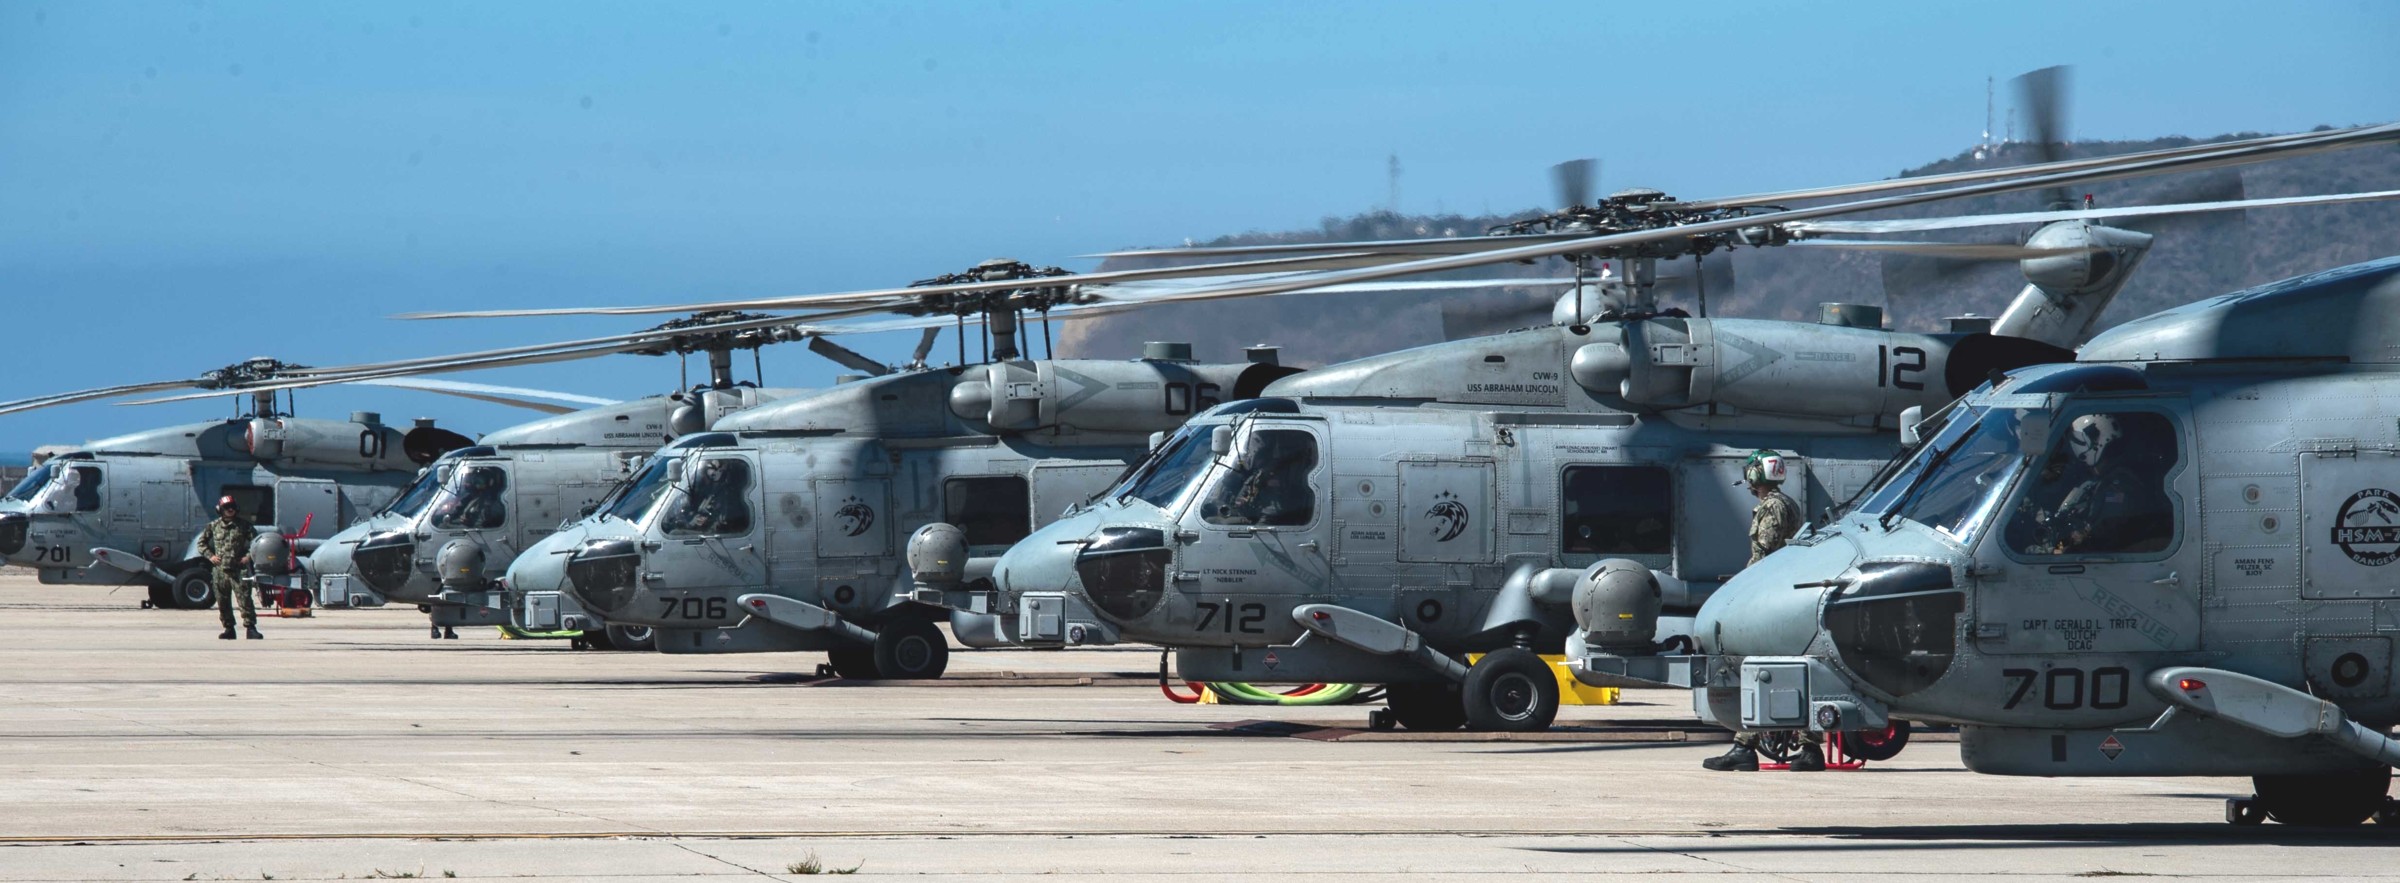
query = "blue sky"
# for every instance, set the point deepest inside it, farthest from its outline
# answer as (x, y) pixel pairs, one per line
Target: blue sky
(186, 183)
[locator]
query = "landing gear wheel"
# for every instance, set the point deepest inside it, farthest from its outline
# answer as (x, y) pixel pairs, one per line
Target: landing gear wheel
(162, 596)
(1510, 690)
(632, 637)
(911, 649)
(1876, 745)
(854, 663)
(2328, 800)
(1424, 708)
(192, 589)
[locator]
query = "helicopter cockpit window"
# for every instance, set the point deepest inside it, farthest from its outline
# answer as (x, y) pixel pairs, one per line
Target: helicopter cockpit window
(1268, 486)
(474, 499)
(87, 489)
(1957, 477)
(420, 493)
(2102, 489)
(34, 482)
(71, 489)
(634, 499)
(993, 511)
(1162, 478)
(1617, 510)
(717, 502)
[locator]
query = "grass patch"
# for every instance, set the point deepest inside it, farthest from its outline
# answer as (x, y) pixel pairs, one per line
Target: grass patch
(812, 865)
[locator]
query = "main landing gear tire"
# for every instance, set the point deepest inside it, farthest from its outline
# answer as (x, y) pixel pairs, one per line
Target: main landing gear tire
(193, 590)
(1876, 745)
(2329, 800)
(1426, 708)
(911, 649)
(162, 596)
(854, 663)
(632, 637)
(1510, 690)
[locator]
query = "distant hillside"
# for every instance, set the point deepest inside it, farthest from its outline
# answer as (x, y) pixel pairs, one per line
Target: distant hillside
(2193, 258)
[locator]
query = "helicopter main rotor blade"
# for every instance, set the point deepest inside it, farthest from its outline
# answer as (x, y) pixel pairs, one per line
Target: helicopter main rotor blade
(1470, 244)
(1573, 181)
(1979, 175)
(627, 342)
(106, 392)
(1128, 298)
(515, 396)
(846, 357)
(1971, 251)
(1416, 247)
(1911, 225)
(2229, 156)
(304, 382)
(890, 299)
(924, 345)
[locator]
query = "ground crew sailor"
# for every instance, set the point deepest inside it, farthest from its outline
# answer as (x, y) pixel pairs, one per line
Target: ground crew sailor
(1773, 522)
(226, 545)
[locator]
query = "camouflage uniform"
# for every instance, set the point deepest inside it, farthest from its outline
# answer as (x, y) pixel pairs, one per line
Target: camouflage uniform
(1772, 522)
(227, 539)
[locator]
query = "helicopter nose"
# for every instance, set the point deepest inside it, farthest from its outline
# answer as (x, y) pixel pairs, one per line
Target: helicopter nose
(602, 573)
(14, 526)
(1770, 608)
(1123, 570)
(383, 561)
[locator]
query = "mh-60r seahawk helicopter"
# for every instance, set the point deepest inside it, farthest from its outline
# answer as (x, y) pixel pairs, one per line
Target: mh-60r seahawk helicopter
(444, 542)
(1327, 533)
(2174, 557)
(779, 529)
(127, 510)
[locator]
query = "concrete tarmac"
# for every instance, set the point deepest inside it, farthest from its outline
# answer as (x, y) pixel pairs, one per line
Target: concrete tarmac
(134, 745)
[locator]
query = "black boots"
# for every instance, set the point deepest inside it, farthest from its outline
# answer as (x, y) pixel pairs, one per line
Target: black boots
(1810, 760)
(253, 630)
(228, 635)
(440, 632)
(1740, 759)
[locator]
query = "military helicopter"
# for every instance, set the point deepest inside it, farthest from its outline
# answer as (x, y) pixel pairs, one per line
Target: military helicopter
(2167, 558)
(1323, 534)
(777, 529)
(444, 543)
(126, 510)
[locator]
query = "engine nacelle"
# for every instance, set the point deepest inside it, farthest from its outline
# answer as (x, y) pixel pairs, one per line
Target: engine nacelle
(1823, 371)
(1141, 396)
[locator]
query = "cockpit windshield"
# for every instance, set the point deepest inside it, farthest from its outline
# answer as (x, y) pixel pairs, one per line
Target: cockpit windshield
(635, 500)
(1163, 477)
(33, 483)
(1955, 480)
(473, 499)
(420, 492)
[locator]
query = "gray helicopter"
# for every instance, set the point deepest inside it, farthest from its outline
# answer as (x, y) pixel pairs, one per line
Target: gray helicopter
(445, 542)
(127, 510)
(778, 530)
(2168, 558)
(1378, 521)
